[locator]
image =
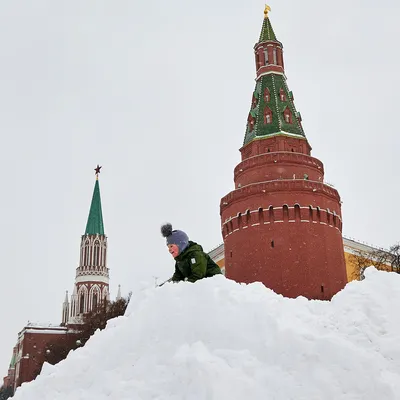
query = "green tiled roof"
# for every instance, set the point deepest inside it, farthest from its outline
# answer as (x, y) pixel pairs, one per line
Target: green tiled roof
(95, 220)
(267, 32)
(278, 125)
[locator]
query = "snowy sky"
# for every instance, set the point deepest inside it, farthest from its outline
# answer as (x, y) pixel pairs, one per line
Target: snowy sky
(158, 93)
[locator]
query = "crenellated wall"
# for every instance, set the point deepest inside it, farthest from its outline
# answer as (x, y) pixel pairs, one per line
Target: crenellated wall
(296, 249)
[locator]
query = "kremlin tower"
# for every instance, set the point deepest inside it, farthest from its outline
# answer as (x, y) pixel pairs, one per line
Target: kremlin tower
(92, 278)
(282, 225)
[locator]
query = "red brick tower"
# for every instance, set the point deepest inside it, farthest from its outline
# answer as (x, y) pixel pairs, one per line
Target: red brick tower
(282, 225)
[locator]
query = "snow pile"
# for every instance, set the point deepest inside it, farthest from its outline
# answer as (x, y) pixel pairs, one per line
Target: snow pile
(217, 339)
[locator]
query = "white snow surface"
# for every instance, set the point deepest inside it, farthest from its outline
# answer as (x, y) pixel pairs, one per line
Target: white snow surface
(217, 339)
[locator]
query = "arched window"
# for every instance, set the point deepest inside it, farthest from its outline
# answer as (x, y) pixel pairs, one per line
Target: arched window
(266, 56)
(251, 121)
(239, 220)
(258, 62)
(261, 216)
(267, 116)
(318, 214)
(95, 300)
(287, 114)
(311, 214)
(248, 217)
(285, 212)
(267, 95)
(271, 214)
(334, 219)
(297, 212)
(275, 58)
(282, 95)
(96, 254)
(82, 304)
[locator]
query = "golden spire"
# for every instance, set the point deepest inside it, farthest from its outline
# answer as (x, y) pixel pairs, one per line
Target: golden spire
(266, 11)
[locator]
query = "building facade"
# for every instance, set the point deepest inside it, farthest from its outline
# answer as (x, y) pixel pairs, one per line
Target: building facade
(281, 225)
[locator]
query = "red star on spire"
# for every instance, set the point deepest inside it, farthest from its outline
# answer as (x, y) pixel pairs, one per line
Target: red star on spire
(97, 169)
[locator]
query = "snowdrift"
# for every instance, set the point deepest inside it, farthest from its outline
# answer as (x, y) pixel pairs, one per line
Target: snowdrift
(217, 339)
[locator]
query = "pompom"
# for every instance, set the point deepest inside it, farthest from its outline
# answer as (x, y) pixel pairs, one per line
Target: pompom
(166, 230)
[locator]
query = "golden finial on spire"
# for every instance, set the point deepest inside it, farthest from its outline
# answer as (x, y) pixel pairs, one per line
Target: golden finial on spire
(266, 10)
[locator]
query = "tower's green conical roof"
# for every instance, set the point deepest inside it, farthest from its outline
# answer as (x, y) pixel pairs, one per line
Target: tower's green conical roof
(268, 100)
(267, 32)
(95, 220)
(272, 110)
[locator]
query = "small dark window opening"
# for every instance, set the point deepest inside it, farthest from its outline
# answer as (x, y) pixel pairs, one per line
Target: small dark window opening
(272, 244)
(248, 217)
(271, 214)
(269, 150)
(240, 220)
(322, 288)
(230, 253)
(261, 215)
(82, 303)
(292, 151)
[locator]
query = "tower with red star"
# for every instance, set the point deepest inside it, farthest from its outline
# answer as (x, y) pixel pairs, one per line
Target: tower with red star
(92, 275)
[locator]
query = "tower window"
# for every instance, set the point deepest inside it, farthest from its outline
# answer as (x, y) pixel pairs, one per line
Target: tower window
(266, 56)
(258, 61)
(267, 116)
(267, 95)
(282, 94)
(287, 114)
(251, 121)
(275, 58)
(82, 304)
(94, 301)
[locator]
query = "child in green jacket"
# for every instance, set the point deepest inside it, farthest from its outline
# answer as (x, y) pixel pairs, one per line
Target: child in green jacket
(191, 262)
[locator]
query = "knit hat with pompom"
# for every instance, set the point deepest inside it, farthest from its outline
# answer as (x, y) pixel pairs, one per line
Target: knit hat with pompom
(175, 237)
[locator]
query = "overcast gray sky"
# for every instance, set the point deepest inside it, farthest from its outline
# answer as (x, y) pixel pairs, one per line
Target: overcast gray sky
(158, 93)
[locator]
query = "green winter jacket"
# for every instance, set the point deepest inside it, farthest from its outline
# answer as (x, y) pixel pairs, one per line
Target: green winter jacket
(194, 264)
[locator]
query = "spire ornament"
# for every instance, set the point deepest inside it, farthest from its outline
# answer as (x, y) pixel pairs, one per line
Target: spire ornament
(266, 11)
(97, 171)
